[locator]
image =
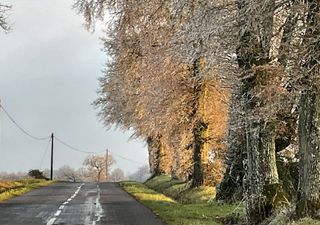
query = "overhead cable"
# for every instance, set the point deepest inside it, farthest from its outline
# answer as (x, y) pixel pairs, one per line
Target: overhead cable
(87, 152)
(74, 148)
(130, 160)
(20, 128)
(59, 140)
(44, 154)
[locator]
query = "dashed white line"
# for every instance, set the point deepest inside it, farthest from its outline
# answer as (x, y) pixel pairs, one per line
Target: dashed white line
(99, 210)
(57, 213)
(53, 219)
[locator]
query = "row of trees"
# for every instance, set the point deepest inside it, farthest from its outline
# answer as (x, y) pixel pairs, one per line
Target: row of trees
(202, 80)
(94, 170)
(172, 101)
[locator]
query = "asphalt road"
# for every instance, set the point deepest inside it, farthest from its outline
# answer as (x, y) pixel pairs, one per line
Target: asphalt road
(76, 204)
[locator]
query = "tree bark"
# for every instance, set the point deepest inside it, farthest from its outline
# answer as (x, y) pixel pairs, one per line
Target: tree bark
(231, 187)
(200, 128)
(263, 191)
(156, 155)
(308, 203)
(199, 133)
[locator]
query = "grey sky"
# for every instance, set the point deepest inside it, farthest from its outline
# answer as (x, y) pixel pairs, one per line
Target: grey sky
(49, 65)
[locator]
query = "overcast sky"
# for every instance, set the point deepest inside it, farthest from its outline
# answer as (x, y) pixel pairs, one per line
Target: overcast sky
(49, 65)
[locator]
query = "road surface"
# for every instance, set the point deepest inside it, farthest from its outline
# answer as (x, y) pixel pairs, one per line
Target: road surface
(76, 204)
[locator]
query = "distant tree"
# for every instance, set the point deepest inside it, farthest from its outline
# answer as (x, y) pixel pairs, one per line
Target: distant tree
(3, 17)
(67, 173)
(96, 165)
(141, 175)
(13, 176)
(117, 175)
(37, 174)
(84, 174)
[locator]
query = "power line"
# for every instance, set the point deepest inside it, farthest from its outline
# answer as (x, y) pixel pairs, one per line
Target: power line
(44, 154)
(130, 160)
(20, 128)
(59, 140)
(82, 151)
(74, 148)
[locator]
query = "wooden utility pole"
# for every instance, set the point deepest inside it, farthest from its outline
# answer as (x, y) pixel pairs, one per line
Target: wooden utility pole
(107, 157)
(51, 167)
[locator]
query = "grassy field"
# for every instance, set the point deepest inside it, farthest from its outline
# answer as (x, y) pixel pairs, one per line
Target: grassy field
(175, 213)
(10, 189)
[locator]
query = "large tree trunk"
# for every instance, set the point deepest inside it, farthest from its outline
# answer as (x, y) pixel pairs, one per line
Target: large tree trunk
(309, 145)
(158, 157)
(152, 155)
(199, 133)
(263, 192)
(154, 148)
(231, 187)
(308, 203)
(200, 129)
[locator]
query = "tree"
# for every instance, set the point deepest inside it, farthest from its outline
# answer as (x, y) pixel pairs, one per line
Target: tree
(96, 165)
(141, 175)
(146, 84)
(67, 173)
(3, 17)
(37, 174)
(117, 175)
(308, 203)
(13, 176)
(173, 66)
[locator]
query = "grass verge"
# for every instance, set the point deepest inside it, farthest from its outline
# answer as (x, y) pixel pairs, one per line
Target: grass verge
(306, 221)
(181, 191)
(191, 205)
(175, 213)
(10, 189)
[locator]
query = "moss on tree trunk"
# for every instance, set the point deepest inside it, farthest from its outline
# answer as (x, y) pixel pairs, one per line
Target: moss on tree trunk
(264, 193)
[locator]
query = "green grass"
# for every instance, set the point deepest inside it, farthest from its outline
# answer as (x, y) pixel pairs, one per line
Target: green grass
(10, 189)
(191, 204)
(180, 190)
(175, 213)
(306, 221)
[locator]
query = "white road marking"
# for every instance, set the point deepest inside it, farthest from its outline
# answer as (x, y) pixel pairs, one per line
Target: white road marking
(53, 219)
(99, 210)
(57, 213)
